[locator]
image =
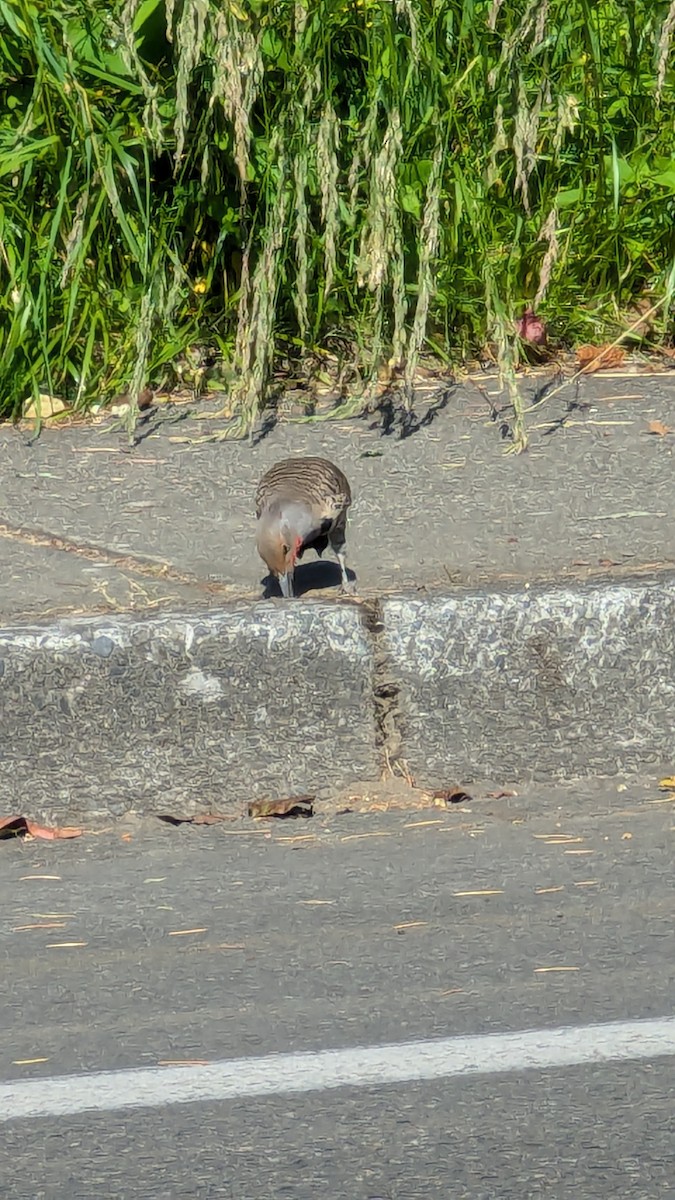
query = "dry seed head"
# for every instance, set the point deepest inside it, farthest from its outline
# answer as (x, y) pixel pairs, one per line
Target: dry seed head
(237, 75)
(567, 121)
(255, 337)
(143, 338)
(511, 44)
(501, 142)
(406, 8)
(540, 26)
(381, 248)
(663, 50)
(170, 8)
(525, 133)
(171, 296)
(190, 41)
(379, 229)
(300, 18)
(300, 172)
(398, 338)
(151, 118)
(376, 340)
(549, 234)
(493, 14)
(300, 236)
(328, 168)
(428, 249)
(363, 153)
(241, 345)
(74, 239)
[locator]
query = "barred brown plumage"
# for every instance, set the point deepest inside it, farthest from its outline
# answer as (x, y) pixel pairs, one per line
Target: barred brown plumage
(301, 503)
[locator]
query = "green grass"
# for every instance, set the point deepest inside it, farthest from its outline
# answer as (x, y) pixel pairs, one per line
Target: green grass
(390, 177)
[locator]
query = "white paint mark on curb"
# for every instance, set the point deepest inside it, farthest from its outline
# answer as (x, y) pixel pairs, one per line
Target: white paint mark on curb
(205, 687)
(368, 1066)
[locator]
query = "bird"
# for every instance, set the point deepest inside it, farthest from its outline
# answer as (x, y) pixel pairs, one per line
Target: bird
(301, 503)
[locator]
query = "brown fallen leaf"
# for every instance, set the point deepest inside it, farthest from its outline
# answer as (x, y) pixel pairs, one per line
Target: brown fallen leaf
(23, 827)
(658, 429)
(296, 806)
(600, 358)
(446, 796)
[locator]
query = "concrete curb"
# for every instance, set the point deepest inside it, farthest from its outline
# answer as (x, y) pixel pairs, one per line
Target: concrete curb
(189, 712)
(542, 683)
(180, 713)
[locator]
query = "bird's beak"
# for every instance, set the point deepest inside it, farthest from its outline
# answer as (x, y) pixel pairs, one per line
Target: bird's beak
(286, 584)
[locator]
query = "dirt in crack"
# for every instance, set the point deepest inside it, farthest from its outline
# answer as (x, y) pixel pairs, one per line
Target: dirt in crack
(385, 696)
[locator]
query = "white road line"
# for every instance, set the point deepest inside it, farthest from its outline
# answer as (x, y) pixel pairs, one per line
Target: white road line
(367, 1066)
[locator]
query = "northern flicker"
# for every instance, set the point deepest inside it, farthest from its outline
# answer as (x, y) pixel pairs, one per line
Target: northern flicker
(301, 503)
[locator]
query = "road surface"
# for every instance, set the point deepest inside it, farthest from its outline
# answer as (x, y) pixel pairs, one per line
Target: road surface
(475, 934)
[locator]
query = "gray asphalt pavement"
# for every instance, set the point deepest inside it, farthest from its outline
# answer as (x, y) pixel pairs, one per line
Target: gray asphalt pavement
(147, 945)
(87, 526)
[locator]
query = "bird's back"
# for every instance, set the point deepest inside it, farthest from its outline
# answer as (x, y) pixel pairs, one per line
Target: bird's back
(313, 481)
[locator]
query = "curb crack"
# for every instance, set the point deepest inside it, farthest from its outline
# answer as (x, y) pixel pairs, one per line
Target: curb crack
(385, 693)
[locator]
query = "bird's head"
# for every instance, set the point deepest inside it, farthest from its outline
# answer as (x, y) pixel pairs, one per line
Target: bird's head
(280, 535)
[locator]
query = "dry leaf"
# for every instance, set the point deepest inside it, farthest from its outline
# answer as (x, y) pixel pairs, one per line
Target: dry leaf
(600, 358)
(668, 784)
(447, 796)
(482, 892)
(297, 806)
(658, 429)
(23, 827)
(551, 970)
(504, 795)
(49, 406)
(145, 399)
(184, 1062)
